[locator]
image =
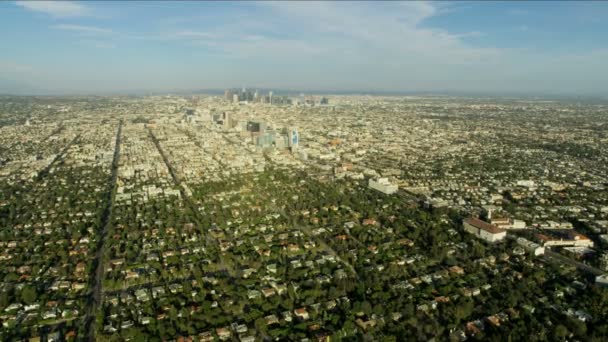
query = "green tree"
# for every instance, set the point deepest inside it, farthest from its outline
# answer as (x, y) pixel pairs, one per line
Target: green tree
(4, 299)
(28, 294)
(560, 333)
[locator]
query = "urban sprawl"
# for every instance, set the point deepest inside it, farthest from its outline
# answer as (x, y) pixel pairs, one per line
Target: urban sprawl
(255, 216)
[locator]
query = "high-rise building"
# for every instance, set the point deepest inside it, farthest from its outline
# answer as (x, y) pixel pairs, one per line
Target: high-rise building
(265, 140)
(281, 141)
(256, 127)
(229, 94)
(294, 138)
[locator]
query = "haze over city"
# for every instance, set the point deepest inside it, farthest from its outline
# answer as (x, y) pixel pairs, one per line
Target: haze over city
(124, 47)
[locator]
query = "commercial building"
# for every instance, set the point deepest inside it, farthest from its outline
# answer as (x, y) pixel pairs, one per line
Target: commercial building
(532, 247)
(508, 223)
(224, 119)
(383, 185)
(265, 140)
(570, 239)
(294, 139)
(256, 127)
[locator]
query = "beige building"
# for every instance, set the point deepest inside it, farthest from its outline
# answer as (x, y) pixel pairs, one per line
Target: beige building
(383, 185)
(484, 230)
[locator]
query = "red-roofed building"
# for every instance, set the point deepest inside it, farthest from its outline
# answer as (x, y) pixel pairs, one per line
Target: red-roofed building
(484, 230)
(571, 239)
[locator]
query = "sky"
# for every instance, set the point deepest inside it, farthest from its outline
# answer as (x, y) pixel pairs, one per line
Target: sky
(479, 46)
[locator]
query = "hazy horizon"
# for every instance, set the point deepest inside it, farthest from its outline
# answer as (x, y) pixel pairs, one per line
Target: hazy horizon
(77, 48)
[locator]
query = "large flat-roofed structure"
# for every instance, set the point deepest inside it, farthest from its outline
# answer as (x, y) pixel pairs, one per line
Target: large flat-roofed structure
(530, 246)
(383, 185)
(484, 230)
(569, 239)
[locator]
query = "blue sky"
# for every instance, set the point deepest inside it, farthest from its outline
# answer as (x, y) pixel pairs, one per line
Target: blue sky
(499, 47)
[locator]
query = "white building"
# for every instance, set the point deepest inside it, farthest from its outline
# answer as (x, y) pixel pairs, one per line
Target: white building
(383, 185)
(602, 280)
(530, 246)
(507, 223)
(574, 239)
(484, 230)
(526, 183)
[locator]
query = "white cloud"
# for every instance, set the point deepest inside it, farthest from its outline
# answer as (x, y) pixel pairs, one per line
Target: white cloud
(180, 35)
(379, 45)
(56, 8)
(391, 33)
(337, 45)
(388, 29)
(82, 29)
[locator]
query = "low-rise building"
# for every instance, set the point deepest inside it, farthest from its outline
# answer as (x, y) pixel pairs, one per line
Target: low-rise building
(383, 185)
(532, 247)
(572, 239)
(602, 280)
(484, 230)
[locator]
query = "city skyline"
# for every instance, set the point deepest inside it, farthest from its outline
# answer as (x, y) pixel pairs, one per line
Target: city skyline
(61, 48)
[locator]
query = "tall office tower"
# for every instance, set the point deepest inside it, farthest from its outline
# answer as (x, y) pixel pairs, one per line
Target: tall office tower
(227, 121)
(228, 94)
(270, 97)
(294, 138)
(235, 98)
(256, 127)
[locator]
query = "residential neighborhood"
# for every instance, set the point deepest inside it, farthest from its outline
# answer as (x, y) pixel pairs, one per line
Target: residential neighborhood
(328, 217)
